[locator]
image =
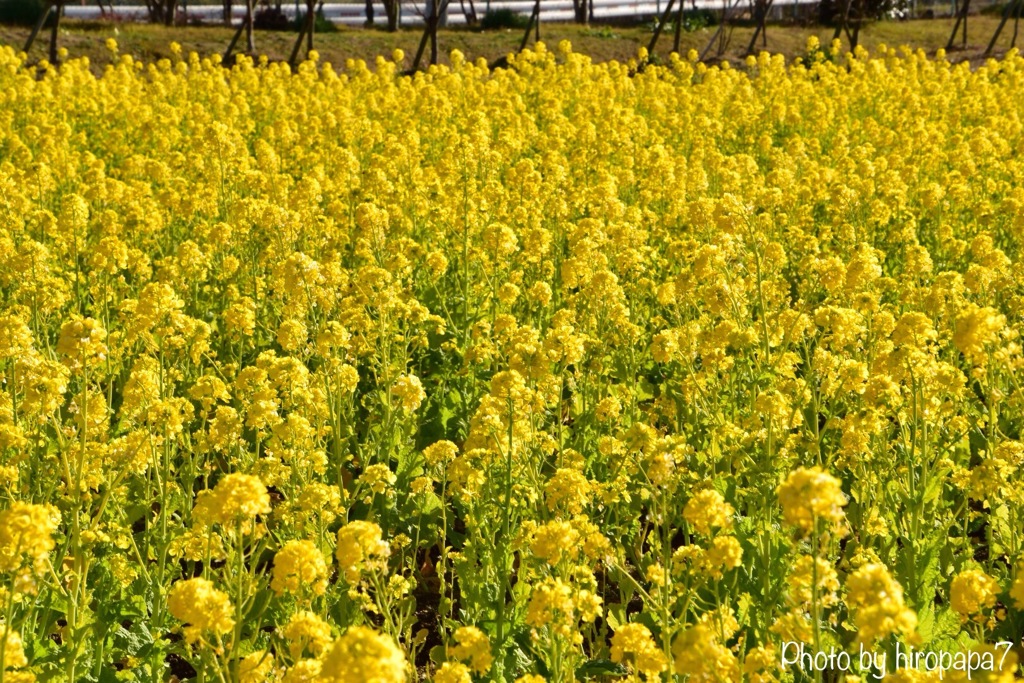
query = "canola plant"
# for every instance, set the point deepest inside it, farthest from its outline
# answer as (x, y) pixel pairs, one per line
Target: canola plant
(561, 372)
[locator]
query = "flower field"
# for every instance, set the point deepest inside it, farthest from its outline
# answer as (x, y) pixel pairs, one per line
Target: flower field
(560, 372)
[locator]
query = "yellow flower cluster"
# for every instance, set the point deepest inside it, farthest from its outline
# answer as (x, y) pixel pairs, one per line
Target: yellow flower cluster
(699, 655)
(236, 498)
(306, 632)
(634, 644)
(877, 601)
(809, 495)
(26, 532)
(299, 566)
(472, 645)
(540, 371)
(560, 607)
(708, 510)
(362, 655)
(972, 591)
(360, 547)
(202, 607)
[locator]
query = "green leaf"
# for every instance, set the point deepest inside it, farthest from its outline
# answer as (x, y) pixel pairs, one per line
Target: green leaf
(600, 667)
(947, 623)
(428, 503)
(1000, 521)
(616, 616)
(438, 655)
(644, 389)
(134, 640)
(927, 575)
(519, 659)
(933, 489)
(926, 624)
(108, 675)
(743, 605)
(517, 656)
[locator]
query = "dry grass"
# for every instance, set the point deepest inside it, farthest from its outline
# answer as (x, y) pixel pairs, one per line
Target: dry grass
(600, 42)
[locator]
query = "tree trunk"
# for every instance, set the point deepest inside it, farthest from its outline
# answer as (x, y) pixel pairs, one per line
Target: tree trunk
(55, 31)
(391, 9)
(430, 32)
(250, 41)
(580, 10)
(38, 27)
(966, 6)
(661, 24)
(1016, 22)
(311, 26)
(307, 27)
(433, 44)
(470, 14)
(679, 28)
(999, 29)
(170, 10)
(960, 17)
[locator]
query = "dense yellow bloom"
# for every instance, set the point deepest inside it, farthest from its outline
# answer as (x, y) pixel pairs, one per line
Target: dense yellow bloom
(378, 478)
(305, 631)
(320, 499)
(698, 654)
(810, 494)
(634, 644)
(225, 429)
(568, 489)
(639, 295)
(303, 671)
(794, 626)
(440, 452)
(26, 532)
(558, 606)
(725, 553)
(202, 607)
(972, 591)
(299, 567)
(360, 547)
(472, 646)
(362, 655)
(708, 510)
(977, 329)
(553, 539)
(809, 574)
(759, 664)
(14, 650)
(255, 667)
(664, 346)
(240, 318)
(1003, 667)
(1017, 591)
(452, 672)
(15, 337)
(551, 602)
(291, 335)
(877, 601)
(82, 342)
(235, 499)
(409, 392)
(608, 408)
